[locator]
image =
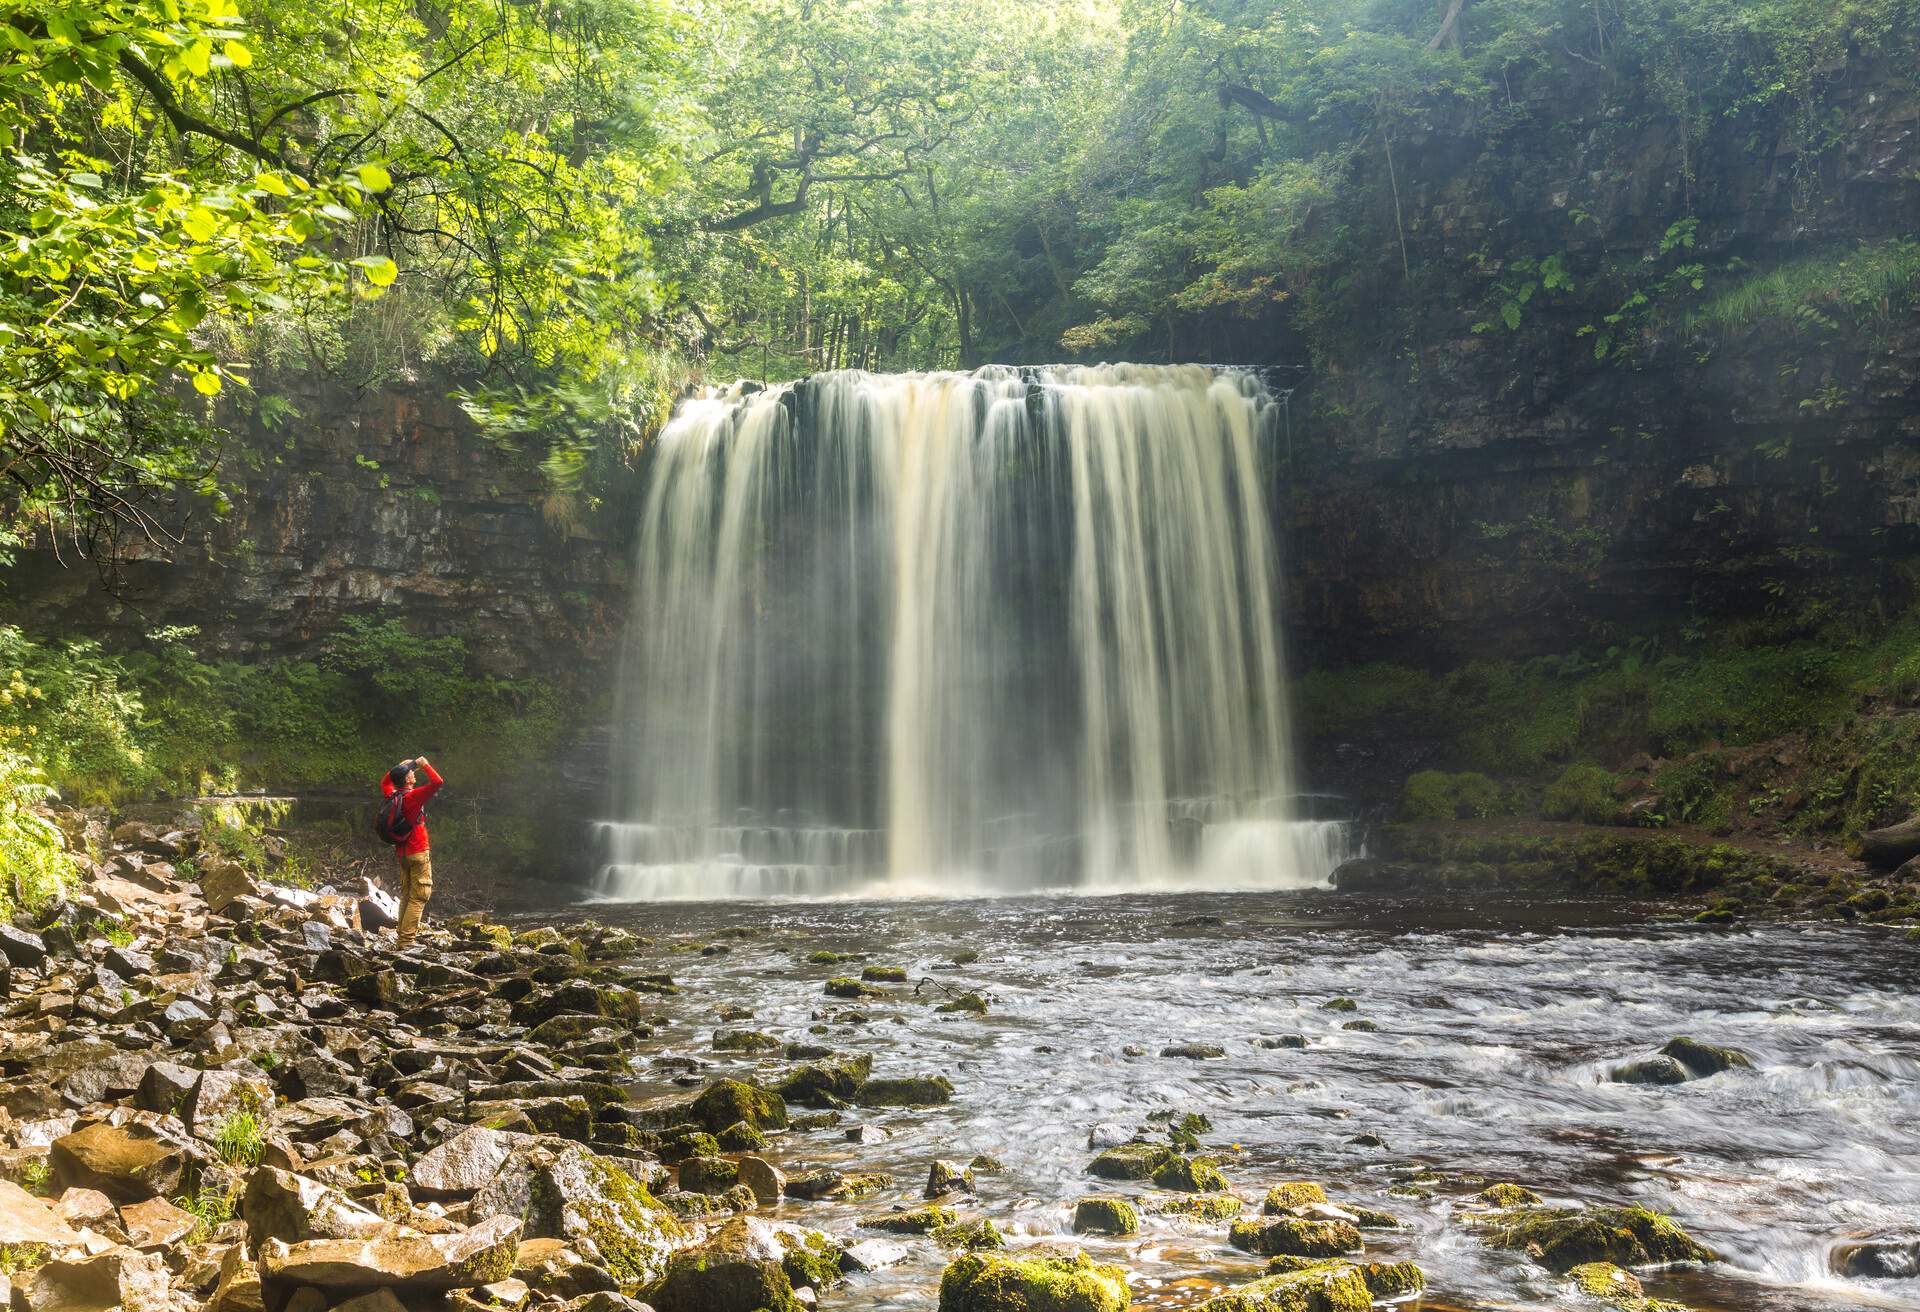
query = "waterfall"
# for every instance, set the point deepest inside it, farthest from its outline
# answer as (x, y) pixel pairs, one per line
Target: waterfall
(1001, 630)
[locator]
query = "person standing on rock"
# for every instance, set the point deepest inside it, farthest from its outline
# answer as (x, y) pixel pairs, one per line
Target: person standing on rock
(403, 823)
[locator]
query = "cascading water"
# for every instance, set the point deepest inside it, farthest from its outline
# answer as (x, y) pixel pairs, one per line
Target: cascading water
(946, 632)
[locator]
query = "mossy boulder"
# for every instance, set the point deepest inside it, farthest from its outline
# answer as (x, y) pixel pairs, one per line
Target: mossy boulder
(1105, 1216)
(992, 1282)
(725, 1102)
(1617, 1288)
(918, 1221)
(1131, 1161)
(709, 1175)
(1294, 1237)
(1563, 1238)
(826, 1083)
(826, 1183)
(1508, 1195)
(975, 1234)
(1704, 1059)
(747, 1265)
(845, 986)
(1649, 1070)
(1388, 1280)
(969, 1003)
(1284, 1198)
(741, 1138)
(1340, 1004)
(1191, 1175)
(745, 1041)
(1315, 1287)
(682, 1144)
(1199, 1207)
(827, 957)
(604, 1214)
(884, 974)
(906, 1091)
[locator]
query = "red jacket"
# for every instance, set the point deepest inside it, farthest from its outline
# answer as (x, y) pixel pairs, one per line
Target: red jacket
(412, 805)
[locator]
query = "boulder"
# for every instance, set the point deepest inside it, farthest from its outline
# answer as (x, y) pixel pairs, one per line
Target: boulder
(463, 1164)
(566, 1192)
(1563, 1238)
(1315, 1287)
(1294, 1237)
(1703, 1059)
(708, 1175)
(164, 1087)
(220, 1095)
(827, 1083)
(120, 1163)
(223, 880)
(915, 1221)
(117, 1278)
(1105, 1216)
(1283, 1198)
(725, 1102)
(293, 1208)
(945, 1177)
(992, 1282)
(156, 1224)
(911, 1091)
(1649, 1070)
(747, 1265)
(22, 947)
(397, 1258)
(25, 1219)
(765, 1179)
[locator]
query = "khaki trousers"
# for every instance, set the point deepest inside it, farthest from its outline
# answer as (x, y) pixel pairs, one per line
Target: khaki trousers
(416, 886)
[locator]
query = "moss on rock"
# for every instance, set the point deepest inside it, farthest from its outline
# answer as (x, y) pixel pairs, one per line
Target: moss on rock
(1316, 1287)
(726, 1102)
(1294, 1237)
(1294, 1193)
(918, 1221)
(1508, 1195)
(884, 974)
(907, 1091)
(1563, 1238)
(990, 1282)
(1200, 1207)
(1105, 1216)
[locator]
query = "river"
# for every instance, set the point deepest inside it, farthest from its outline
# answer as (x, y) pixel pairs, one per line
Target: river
(1497, 1024)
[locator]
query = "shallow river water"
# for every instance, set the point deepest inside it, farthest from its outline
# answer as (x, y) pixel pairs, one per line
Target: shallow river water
(1497, 1025)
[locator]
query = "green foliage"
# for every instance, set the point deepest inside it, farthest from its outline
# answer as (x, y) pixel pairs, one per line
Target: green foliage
(1437, 795)
(1583, 793)
(107, 725)
(210, 1210)
(1873, 284)
(240, 1140)
(33, 853)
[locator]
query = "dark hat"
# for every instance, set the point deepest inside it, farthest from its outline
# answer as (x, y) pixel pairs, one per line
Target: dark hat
(400, 772)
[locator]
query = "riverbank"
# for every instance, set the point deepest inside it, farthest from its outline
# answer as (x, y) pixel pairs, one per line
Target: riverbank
(225, 1094)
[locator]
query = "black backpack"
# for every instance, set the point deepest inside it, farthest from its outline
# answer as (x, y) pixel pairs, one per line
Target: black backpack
(390, 821)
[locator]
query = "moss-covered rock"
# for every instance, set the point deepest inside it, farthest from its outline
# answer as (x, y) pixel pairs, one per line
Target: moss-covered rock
(1703, 1059)
(682, 1144)
(1199, 1207)
(1131, 1161)
(827, 1083)
(726, 1102)
(969, 1003)
(1191, 1175)
(991, 1282)
(906, 1091)
(1649, 1070)
(1563, 1238)
(1294, 1193)
(741, 1138)
(1316, 1287)
(1294, 1237)
(745, 1041)
(917, 1221)
(1339, 1004)
(1616, 1288)
(974, 1234)
(826, 1183)
(748, 1265)
(845, 986)
(826, 957)
(1387, 1280)
(1105, 1216)
(884, 974)
(709, 1175)
(1508, 1195)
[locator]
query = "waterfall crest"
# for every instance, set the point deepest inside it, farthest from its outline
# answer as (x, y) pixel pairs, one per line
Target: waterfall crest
(951, 632)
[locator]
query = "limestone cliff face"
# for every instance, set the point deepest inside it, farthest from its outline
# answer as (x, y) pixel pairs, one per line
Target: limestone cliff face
(1504, 492)
(367, 503)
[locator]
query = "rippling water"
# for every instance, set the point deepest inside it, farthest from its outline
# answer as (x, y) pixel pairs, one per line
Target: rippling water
(1496, 1027)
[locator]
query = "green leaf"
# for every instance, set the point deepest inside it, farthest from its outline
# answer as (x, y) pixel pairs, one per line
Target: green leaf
(272, 184)
(1510, 312)
(380, 270)
(207, 383)
(238, 54)
(374, 178)
(200, 223)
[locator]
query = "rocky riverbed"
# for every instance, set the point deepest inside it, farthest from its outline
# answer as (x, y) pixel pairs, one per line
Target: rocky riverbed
(221, 1094)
